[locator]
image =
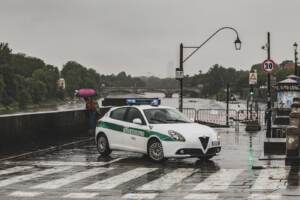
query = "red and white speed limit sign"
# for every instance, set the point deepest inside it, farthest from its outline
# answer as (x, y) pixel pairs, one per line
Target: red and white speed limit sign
(268, 65)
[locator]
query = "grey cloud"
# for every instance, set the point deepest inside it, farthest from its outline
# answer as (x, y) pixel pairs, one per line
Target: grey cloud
(142, 36)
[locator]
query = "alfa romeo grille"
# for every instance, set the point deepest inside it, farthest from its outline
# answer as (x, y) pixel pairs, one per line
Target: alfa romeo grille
(204, 141)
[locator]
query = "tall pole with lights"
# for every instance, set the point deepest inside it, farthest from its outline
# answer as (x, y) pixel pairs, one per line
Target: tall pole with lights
(179, 71)
(296, 58)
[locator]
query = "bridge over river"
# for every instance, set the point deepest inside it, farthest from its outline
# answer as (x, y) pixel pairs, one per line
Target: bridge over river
(188, 91)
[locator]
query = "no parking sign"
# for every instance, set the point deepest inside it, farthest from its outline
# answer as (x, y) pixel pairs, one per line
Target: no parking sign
(268, 66)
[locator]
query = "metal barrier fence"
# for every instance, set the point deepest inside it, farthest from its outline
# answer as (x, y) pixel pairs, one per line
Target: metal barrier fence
(190, 113)
(218, 116)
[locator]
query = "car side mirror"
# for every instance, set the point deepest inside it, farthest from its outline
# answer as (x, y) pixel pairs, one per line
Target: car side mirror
(137, 121)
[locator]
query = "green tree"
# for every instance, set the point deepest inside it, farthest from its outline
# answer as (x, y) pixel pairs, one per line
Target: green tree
(37, 89)
(24, 65)
(2, 86)
(48, 75)
(5, 53)
(74, 74)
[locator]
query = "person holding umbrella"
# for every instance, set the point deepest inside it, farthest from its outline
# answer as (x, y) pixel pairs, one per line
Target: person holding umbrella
(91, 106)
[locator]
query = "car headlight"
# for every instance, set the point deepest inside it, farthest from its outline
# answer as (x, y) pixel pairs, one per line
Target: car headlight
(176, 136)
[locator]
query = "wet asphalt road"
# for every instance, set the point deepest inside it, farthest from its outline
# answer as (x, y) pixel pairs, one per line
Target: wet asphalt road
(79, 173)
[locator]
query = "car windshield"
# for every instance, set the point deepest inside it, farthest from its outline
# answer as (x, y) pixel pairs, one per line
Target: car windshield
(165, 116)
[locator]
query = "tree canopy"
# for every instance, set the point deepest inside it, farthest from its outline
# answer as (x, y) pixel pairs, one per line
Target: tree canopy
(28, 80)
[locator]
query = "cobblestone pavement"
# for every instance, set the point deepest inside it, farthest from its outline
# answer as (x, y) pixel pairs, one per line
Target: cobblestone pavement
(79, 173)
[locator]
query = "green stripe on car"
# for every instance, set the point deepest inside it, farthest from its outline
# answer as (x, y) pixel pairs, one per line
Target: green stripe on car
(134, 131)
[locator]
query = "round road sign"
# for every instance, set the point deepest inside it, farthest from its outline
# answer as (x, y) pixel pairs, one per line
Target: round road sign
(268, 65)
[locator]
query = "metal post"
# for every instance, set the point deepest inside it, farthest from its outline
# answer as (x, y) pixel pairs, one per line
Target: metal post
(181, 79)
(296, 61)
(247, 109)
(269, 93)
(237, 44)
(227, 105)
(251, 101)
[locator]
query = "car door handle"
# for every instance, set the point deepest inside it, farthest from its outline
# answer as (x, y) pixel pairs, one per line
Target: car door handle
(133, 138)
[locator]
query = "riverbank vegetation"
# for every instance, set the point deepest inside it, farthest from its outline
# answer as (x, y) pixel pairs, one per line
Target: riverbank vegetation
(27, 81)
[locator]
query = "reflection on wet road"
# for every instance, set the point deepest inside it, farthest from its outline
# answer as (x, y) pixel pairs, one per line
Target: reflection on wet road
(79, 173)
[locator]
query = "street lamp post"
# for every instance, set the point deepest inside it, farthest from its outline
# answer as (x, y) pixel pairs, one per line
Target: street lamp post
(179, 71)
(296, 58)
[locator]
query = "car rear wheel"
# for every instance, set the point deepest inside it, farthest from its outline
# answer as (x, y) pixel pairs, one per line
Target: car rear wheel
(103, 145)
(155, 150)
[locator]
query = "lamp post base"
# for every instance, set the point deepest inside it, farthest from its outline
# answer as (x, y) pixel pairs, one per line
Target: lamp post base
(275, 146)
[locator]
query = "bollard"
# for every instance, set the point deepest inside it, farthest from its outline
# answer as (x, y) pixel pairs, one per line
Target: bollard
(295, 107)
(292, 145)
(295, 119)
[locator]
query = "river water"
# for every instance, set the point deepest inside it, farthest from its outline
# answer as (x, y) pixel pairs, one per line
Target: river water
(196, 103)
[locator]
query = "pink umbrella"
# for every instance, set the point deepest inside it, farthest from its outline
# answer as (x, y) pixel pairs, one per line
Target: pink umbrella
(85, 92)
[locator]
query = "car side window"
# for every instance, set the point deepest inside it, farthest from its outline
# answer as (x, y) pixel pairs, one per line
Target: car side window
(132, 114)
(118, 114)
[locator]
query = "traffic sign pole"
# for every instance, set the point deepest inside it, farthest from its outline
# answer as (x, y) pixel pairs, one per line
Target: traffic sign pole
(269, 111)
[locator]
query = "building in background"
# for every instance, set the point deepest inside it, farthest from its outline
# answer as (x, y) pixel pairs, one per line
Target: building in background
(61, 83)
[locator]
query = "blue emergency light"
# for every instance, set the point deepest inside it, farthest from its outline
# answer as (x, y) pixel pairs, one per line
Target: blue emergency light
(143, 101)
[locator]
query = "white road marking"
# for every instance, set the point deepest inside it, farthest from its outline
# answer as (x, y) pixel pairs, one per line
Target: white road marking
(14, 169)
(27, 177)
(54, 184)
(208, 196)
(166, 181)
(114, 181)
(219, 181)
(81, 195)
(140, 196)
(264, 196)
(62, 163)
(271, 179)
(25, 194)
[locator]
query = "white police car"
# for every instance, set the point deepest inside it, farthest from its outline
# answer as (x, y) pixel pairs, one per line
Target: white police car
(158, 131)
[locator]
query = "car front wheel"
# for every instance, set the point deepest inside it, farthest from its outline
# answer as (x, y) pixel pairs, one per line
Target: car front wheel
(155, 150)
(103, 145)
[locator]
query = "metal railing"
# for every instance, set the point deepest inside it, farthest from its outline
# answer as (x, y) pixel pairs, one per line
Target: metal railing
(218, 116)
(191, 113)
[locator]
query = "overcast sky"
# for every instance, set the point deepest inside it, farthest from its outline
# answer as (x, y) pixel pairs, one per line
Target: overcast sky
(142, 37)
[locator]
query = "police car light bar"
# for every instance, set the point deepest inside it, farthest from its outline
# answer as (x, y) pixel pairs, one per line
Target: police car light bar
(143, 101)
(130, 101)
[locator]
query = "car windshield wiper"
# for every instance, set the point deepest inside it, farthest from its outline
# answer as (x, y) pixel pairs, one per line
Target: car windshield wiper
(158, 120)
